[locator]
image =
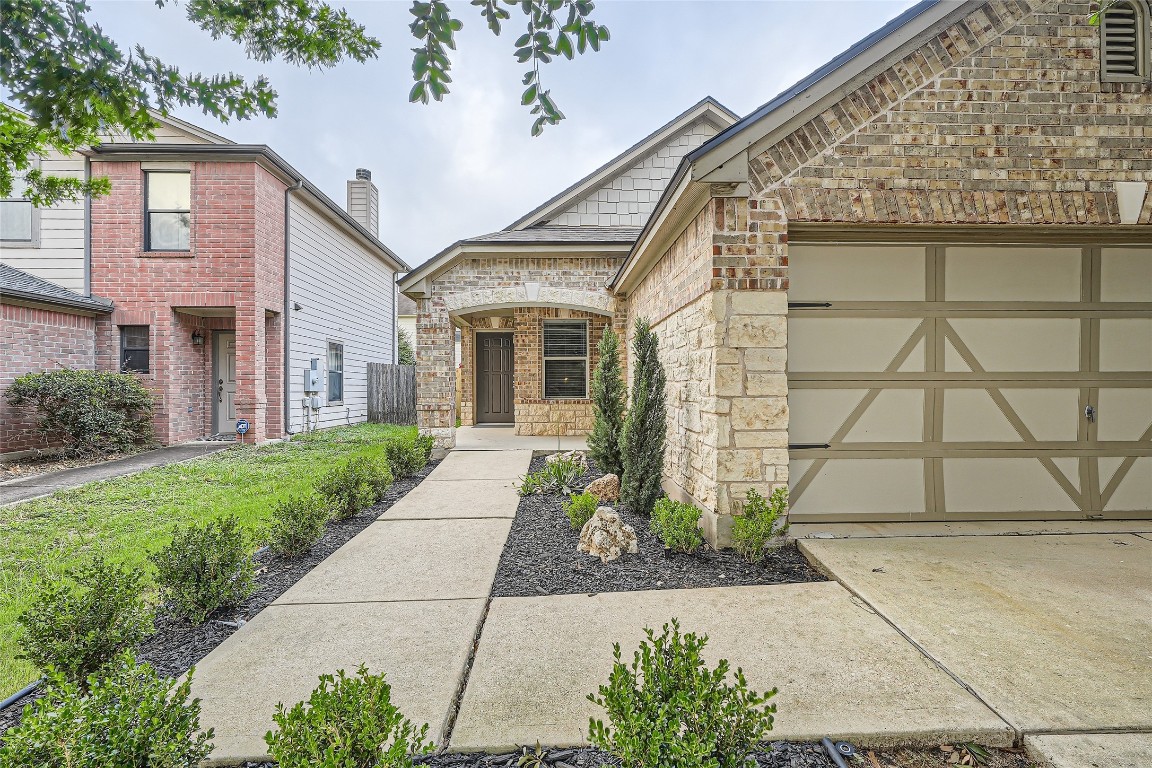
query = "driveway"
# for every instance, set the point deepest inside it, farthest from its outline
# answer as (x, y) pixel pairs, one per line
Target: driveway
(1053, 633)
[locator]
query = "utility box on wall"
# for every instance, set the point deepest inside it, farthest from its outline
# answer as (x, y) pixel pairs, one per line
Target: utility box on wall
(312, 379)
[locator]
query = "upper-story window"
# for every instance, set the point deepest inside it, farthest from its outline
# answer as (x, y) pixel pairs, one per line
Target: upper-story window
(1124, 54)
(167, 210)
(19, 223)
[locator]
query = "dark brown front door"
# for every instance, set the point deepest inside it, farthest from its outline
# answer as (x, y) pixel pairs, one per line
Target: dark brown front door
(494, 378)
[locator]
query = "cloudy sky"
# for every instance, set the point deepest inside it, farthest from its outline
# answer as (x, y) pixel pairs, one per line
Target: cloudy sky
(468, 165)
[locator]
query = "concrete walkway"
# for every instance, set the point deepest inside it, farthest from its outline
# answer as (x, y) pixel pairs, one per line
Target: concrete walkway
(16, 490)
(406, 597)
(493, 437)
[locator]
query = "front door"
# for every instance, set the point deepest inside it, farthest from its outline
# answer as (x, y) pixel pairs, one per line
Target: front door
(224, 382)
(494, 378)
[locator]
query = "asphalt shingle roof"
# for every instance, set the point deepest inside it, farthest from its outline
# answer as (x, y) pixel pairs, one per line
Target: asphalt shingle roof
(561, 235)
(19, 284)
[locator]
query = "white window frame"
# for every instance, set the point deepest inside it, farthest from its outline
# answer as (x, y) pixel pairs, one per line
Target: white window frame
(33, 240)
(148, 211)
(328, 372)
(545, 358)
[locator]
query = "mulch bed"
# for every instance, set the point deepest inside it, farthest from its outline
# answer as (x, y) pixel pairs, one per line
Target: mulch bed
(540, 558)
(177, 645)
(34, 465)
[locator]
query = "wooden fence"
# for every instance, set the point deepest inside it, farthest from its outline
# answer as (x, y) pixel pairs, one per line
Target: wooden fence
(391, 393)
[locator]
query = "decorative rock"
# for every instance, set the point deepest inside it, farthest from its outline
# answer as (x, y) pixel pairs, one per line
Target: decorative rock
(606, 536)
(606, 488)
(576, 456)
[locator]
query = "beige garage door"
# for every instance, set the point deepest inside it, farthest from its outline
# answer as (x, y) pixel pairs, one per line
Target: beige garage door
(970, 383)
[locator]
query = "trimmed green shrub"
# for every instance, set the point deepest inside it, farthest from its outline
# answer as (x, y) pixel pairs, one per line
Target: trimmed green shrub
(758, 525)
(608, 394)
(131, 717)
(644, 427)
(91, 411)
(206, 568)
(580, 507)
(677, 526)
(77, 625)
(407, 354)
(668, 709)
(354, 485)
(408, 455)
(347, 722)
(297, 525)
(561, 476)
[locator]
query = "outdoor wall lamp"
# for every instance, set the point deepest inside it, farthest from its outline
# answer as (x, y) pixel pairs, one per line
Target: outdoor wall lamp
(1130, 200)
(197, 338)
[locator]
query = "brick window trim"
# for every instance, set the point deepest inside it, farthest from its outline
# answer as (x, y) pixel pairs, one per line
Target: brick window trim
(189, 254)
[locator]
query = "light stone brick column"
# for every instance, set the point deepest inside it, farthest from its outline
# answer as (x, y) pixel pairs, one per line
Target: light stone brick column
(435, 372)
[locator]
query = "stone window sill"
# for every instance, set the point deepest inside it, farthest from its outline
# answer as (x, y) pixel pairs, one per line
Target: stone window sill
(167, 254)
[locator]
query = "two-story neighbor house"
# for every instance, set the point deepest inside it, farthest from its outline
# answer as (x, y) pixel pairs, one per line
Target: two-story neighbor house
(214, 259)
(917, 285)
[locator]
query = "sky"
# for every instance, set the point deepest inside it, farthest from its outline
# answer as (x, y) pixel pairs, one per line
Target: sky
(468, 165)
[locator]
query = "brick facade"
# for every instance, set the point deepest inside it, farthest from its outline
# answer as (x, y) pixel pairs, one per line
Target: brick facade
(231, 279)
(36, 340)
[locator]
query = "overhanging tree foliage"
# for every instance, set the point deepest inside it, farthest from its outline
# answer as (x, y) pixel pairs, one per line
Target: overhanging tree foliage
(608, 395)
(644, 427)
(74, 85)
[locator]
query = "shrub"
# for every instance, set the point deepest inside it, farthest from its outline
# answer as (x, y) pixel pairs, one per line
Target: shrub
(759, 523)
(354, 485)
(559, 476)
(642, 453)
(348, 722)
(404, 343)
(77, 625)
(408, 455)
(580, 507)
(677, 525)
(668, 709)
(91, 411)
(297, 525)
(608, 393)
(206, 568)
(131, 717)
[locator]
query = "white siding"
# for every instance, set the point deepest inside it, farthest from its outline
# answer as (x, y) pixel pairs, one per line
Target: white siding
(628, 199)
(59, 257)
(347, 295)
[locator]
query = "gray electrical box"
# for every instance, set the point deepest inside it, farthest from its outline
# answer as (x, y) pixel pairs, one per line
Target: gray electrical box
(312, 378)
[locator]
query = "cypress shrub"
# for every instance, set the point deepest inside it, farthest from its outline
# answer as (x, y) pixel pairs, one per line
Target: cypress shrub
(608, 394)
(644, 427)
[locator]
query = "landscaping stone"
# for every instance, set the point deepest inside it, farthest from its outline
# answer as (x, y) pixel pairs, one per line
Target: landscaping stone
(841, 670)
(576, 456)
(1100, 750)
(1051, 631)
(606, 488)
(605, 536)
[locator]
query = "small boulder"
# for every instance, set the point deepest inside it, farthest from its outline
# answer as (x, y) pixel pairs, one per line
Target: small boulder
(606, 488)
(576, 456)
(606, 536)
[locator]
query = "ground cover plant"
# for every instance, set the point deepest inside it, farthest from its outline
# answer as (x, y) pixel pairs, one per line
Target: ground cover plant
(559, 476)
(77, 625)
(347, 722)
(128, 518)
(130, 716)
(580, 507)
(667, 708)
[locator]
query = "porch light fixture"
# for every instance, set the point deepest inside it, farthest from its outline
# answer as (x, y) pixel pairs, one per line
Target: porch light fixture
(197, 338)
(1130, 200)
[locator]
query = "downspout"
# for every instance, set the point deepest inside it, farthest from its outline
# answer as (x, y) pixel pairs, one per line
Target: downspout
(286, 404)
(87, 228)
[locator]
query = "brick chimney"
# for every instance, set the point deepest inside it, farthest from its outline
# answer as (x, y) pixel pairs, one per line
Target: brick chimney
(364, 201)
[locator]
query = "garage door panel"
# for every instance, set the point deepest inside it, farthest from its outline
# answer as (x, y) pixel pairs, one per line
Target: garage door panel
(855, 415)
(848, 273)
(1013, 274)
(847, 488)
(1051, 414)
(1126, 344)
(1126, 274)
(997, 344)
(1003, 486)
(1124, 414)
(972, 416)
(1132, 489)
(849, 344)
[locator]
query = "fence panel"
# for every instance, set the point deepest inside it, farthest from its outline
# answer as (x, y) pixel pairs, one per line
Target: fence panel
(391, 393)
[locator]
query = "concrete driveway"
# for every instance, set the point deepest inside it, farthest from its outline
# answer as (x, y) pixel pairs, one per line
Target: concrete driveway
(1052, 632)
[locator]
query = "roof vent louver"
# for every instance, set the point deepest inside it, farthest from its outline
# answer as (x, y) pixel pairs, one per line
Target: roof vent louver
(1124, 41)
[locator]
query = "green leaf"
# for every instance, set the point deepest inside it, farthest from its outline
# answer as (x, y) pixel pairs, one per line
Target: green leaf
(529, 95)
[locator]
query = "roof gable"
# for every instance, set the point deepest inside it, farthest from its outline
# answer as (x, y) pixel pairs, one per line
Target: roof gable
(624, 191)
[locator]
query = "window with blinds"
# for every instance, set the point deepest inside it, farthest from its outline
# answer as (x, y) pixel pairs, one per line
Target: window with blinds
(565, 359)
(1124, 41)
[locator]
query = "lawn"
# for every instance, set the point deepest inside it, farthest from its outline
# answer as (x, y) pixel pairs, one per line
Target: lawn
(128, 518)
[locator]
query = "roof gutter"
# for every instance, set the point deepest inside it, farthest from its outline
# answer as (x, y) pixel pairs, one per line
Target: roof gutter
(95, 305)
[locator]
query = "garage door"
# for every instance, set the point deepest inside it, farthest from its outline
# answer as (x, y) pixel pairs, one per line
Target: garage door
(970, 382)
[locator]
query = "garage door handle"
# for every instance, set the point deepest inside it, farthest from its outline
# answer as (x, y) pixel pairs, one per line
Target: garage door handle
(803, 446)
(808, 304)
(1090, 413)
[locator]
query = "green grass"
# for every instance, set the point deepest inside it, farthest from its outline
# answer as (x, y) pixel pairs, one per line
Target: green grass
(130, 517)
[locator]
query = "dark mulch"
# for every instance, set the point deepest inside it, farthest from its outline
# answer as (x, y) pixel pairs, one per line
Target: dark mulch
(177, 645)
(540, 558)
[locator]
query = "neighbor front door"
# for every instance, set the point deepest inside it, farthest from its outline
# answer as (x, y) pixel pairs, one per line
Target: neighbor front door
(224, 383)
(494, 378)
